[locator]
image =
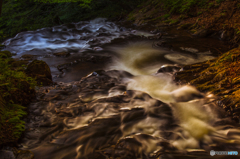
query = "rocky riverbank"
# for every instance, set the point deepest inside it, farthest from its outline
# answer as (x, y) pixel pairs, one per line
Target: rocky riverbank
(214, 20)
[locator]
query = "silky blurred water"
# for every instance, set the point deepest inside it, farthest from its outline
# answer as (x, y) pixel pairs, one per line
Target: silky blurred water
(126, 108)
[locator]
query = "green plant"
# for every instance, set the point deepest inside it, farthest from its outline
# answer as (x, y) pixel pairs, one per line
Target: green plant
(11, 116)
(182, 6)
(199, 13)
(10, 78)
(165, 16)
(219, 1)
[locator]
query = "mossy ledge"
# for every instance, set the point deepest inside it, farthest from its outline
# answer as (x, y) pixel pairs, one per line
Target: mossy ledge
(16, 92)
(221, 77)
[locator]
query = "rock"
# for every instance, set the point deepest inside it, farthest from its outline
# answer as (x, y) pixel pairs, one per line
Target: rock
(40, 70)
(192, 50)
(2, 47)
(5, 54)
(62, 54)
(227, 34)
(5, 154)
(63, 66)
(27, 57)
(184, 26)
(18, 63)
(203, 33)
(169, 68)
(25, 154)
(163, 44)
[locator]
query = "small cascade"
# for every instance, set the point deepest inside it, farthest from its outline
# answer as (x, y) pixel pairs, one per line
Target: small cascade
(126, 108)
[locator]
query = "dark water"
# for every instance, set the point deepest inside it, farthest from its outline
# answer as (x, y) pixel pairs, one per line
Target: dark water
(125, 109)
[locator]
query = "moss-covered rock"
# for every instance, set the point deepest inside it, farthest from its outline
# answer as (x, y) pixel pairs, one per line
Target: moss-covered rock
(220, 76)
(5, 54)
(18, 63)
(2, 46)
(40, 70)
(16, 92)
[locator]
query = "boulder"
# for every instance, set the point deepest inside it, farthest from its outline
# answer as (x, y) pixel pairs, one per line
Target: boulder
(40, 70)
(5, 54)
(6, 154)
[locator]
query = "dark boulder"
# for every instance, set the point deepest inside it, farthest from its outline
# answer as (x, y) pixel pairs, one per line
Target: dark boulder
(40, 70)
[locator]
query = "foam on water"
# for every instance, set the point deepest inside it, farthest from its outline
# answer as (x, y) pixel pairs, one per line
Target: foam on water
(190, 107)
(140, 109)
(74, 36)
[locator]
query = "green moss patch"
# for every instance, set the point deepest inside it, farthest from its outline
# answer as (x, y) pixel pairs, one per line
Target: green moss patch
(220, 76)
(16, 92)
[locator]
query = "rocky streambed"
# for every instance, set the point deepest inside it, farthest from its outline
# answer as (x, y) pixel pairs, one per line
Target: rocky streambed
(126, 107)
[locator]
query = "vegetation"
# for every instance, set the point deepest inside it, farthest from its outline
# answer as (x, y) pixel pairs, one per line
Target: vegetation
(221, 76)
(182, 6)
(26, 15)
(16, 89)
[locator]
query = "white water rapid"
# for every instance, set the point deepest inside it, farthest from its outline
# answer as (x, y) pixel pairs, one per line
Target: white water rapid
(124, 109)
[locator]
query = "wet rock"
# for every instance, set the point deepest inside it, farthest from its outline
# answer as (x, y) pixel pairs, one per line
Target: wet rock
(6, 154)
(169, 68)
(40, 70)
(203, 33)
(25, 154)
(97, 48)
(162, 44)
(63, 66)
(27, 57)
(184, 26)
(2, 47)
(192, 50)
(227, 34)
(61, 53)
(18, 63)
(155, 37)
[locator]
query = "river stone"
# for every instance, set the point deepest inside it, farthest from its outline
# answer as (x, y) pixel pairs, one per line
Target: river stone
(168, 68)
(25, 154)
(40, 70)
(5, 154)
(203, 33)
(227, 34)
(62, 54)
(27, 57)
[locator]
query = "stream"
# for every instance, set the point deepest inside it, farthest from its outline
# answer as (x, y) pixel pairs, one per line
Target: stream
(115, 96)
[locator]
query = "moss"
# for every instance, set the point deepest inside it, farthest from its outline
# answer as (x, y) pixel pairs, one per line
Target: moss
(221, 77)
(5, 54)
(16, 92)
(27, 15)
(11, 124)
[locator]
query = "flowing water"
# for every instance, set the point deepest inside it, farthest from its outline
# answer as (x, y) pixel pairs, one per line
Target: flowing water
(124, 109)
